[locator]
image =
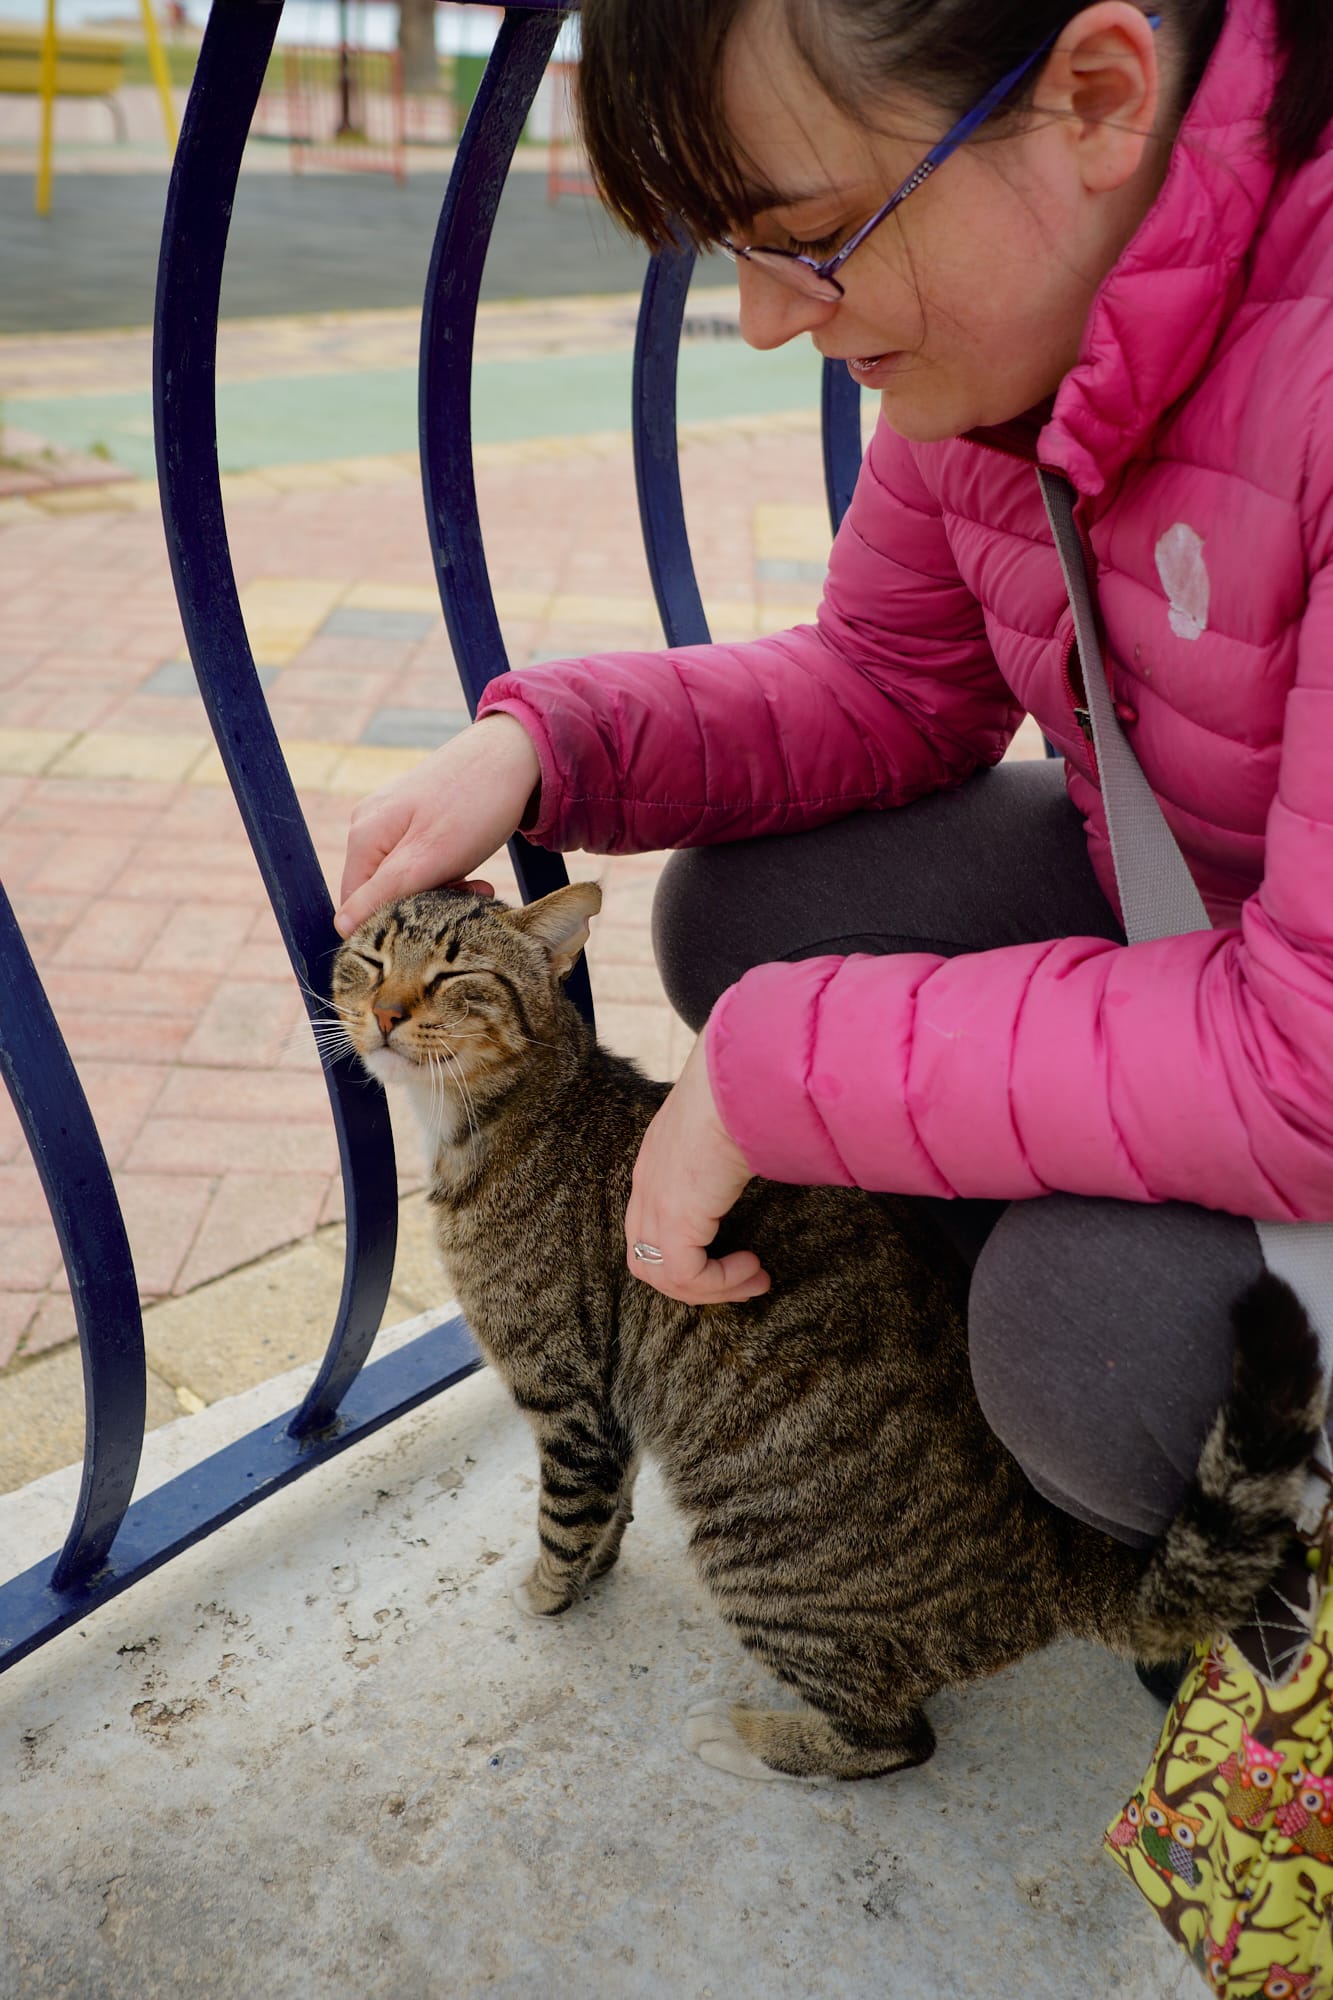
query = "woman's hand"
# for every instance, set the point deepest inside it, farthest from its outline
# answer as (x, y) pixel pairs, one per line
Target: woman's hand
(689, 1173)
(431, 826)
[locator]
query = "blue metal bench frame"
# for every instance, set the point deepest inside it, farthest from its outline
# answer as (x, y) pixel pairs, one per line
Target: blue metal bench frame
(112, 1543)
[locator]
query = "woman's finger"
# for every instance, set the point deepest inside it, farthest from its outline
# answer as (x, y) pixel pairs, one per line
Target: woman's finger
(691, 1275)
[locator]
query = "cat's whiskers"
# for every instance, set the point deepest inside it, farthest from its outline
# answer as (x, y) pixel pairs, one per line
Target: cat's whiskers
(435, 1115)
(320, 999)
(331, 1038)
(481, 1035)
(461, 1084)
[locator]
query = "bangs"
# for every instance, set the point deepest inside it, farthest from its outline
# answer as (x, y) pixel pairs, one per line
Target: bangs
(650, 112)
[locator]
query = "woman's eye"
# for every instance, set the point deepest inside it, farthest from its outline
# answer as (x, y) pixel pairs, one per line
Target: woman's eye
(825, 247)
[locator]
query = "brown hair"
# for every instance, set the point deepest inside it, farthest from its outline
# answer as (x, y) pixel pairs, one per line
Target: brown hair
(650, 84)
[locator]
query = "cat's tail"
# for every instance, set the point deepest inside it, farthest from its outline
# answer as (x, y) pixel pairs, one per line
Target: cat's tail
(1229, 1537)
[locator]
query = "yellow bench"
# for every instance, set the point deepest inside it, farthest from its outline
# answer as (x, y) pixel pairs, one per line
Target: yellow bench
(86, 66)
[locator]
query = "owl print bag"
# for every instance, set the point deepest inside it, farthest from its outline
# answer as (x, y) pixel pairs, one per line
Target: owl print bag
(1230, 1835)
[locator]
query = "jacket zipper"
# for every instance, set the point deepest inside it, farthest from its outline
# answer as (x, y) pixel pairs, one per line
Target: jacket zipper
(1078, 700)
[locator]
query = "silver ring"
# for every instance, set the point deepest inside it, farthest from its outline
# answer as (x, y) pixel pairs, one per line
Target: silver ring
(647, 1253)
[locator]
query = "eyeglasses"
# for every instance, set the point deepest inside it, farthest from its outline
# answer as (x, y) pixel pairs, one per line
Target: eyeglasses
(817, 281)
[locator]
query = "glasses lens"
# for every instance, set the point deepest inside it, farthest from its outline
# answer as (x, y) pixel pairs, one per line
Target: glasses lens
(796, 274)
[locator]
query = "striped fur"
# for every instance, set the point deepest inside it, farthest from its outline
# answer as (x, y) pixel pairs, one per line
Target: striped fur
(855, 1521)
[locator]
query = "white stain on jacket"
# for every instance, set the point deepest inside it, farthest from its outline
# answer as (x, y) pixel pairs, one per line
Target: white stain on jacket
(1184, 577)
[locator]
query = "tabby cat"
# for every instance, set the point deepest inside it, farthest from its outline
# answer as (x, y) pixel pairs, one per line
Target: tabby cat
(858, 1525)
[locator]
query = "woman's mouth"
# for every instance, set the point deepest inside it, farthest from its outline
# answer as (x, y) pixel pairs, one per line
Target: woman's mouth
(872, 370)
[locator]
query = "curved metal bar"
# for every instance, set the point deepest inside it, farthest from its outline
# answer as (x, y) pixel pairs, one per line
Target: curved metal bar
(67, 1152)
(230, 70)
(666, 539)
(448, 329)
(840, 407)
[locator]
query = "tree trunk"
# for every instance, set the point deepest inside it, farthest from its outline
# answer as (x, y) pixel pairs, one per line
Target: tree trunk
(416, 45)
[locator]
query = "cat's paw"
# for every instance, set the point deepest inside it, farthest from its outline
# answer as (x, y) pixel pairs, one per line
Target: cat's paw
(537, 1600)
(712, 1735)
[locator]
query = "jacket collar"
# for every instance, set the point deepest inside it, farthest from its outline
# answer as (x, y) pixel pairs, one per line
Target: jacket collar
(1159, 311)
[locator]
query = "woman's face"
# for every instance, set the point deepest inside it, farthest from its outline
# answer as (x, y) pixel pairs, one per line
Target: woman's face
(966, 307)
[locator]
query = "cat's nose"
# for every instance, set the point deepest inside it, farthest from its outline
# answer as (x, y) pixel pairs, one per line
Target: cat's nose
(389, 1017)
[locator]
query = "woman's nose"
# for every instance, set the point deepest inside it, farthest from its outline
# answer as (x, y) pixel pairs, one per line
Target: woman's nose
(771, 313)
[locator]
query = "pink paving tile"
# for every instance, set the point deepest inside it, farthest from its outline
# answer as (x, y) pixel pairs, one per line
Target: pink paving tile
(57, 708)
(29, 1256)
(91, 669)
(13, 1145)
(426, 687)
(55, 818)
(13, 791)
(206, 812)
(45, 916)
(257, 1096)
(196, 938)
(320, 721)
(120, 1096)
(216, 1146)
(267, 960)
(133, 992)
(619, 983)
(16, 666)
(112, 932)
(143, 647)
(300, 683)
(264, 927)
(627, 901)
(246, 1025)
(21, 855)
(131, 1038)
(251, 1214)
(17, 1309)
(158, 880)
(158, 715)
(53, 1325)
(82, 796)
(162, 1213)
(212, 856)
(87, 861)
(21, 1197)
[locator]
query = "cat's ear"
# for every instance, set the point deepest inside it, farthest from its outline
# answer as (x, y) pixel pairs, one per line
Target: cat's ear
(560, 922)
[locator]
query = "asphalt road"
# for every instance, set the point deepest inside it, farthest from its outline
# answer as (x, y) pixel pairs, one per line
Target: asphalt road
(318, 243)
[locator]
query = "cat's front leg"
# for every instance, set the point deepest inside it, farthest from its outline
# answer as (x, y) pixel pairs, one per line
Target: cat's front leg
(586, 1486)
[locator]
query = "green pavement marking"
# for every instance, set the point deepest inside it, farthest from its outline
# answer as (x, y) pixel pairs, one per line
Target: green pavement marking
(304, 420)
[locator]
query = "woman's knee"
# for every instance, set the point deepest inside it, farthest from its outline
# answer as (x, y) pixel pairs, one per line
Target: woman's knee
(1101, 1348)
(714, 917)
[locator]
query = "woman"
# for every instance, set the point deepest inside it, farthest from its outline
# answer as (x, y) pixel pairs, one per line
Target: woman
(908, 964)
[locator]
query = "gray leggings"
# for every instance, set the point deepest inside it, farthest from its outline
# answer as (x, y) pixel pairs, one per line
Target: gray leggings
(1100, 1334)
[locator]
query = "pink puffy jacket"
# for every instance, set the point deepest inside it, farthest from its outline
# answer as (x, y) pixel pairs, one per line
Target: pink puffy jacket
(1197, 428)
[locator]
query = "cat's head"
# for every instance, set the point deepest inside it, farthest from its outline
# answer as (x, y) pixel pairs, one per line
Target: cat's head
(448, 987)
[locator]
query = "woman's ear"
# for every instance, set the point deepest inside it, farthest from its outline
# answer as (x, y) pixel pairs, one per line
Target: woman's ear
(1103, 78)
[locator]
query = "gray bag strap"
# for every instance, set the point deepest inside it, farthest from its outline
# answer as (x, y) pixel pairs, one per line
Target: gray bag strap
(1158, 898)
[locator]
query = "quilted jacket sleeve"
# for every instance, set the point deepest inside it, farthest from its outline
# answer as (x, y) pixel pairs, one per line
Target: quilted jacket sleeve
(892, 693)
(1198, 1068)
